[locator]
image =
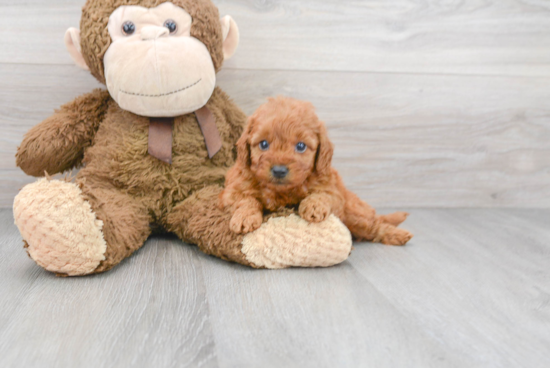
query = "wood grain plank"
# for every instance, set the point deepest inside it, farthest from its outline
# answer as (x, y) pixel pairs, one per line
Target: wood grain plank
(401, 139)
(17, 276)
(490, 37)
(538, 217)
(329, 317)
(151, 311)
(471, 289)
(476, 279)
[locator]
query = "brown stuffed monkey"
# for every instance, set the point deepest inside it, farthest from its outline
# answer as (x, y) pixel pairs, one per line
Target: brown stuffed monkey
(154, 149)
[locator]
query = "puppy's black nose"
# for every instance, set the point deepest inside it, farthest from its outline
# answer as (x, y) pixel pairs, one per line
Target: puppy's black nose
(279, 172)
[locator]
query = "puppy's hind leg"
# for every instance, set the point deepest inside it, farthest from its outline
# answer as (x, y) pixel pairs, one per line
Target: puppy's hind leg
(364, 224)
(391, 235)
(377, 231)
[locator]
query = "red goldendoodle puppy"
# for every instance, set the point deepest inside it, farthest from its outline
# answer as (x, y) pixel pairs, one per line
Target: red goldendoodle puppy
(284, 159)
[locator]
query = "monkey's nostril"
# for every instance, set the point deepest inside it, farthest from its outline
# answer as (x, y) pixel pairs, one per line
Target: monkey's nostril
(279, 172)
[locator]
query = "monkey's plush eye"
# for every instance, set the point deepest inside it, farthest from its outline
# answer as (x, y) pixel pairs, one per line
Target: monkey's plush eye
(264, 145)
(171, 25)
(128, 28)
(301, 147)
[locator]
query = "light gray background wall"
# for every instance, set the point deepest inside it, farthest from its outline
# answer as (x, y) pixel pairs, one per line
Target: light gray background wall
(429, 103)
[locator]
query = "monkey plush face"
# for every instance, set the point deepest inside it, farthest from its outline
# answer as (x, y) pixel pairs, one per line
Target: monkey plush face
(153, 66)
(159, 60)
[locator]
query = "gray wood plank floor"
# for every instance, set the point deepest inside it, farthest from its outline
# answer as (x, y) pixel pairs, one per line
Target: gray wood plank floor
(472, 289)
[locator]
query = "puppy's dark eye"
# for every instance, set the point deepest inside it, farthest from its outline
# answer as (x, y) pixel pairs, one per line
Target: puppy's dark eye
(301, 147)
(264, 145)
(128, 28)
(171, 25)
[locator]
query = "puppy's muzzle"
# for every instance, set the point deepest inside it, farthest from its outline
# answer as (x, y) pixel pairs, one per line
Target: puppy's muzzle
(279, 172)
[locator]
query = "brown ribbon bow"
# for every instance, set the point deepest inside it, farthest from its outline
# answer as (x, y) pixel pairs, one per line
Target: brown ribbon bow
(161, 131)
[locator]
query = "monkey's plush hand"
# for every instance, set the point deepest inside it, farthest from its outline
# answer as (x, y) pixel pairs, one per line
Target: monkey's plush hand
(315, 208)
(245, 220)
(57, 144)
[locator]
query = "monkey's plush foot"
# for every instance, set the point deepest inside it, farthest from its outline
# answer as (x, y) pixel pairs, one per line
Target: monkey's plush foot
(395, 236)
(291, 241)
(283, 240)
(59, 227)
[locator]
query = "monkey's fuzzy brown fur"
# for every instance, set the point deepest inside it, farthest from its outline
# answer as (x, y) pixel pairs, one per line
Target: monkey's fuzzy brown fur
(128, 189)
(311, 182)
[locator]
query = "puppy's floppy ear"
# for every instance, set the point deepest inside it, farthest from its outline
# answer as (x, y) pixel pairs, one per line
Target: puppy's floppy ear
(243, 146)
(325, 151)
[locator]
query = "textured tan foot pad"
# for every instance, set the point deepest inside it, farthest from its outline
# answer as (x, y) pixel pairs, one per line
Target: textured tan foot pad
(290, 241)
(62, 232)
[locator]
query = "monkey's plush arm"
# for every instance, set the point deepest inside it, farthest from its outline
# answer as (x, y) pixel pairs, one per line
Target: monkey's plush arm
(57, 144)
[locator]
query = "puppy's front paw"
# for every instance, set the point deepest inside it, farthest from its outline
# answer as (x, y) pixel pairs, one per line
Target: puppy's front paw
(314, 209)
(245, 221)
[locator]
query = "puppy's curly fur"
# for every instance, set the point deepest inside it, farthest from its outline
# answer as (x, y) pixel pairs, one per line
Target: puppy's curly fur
(275, 137)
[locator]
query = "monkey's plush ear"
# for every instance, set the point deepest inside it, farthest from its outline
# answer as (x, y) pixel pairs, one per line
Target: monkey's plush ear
(72, 42)
(230, 33)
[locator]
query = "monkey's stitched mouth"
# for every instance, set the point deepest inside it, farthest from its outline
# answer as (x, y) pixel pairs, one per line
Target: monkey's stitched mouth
(163, 94)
